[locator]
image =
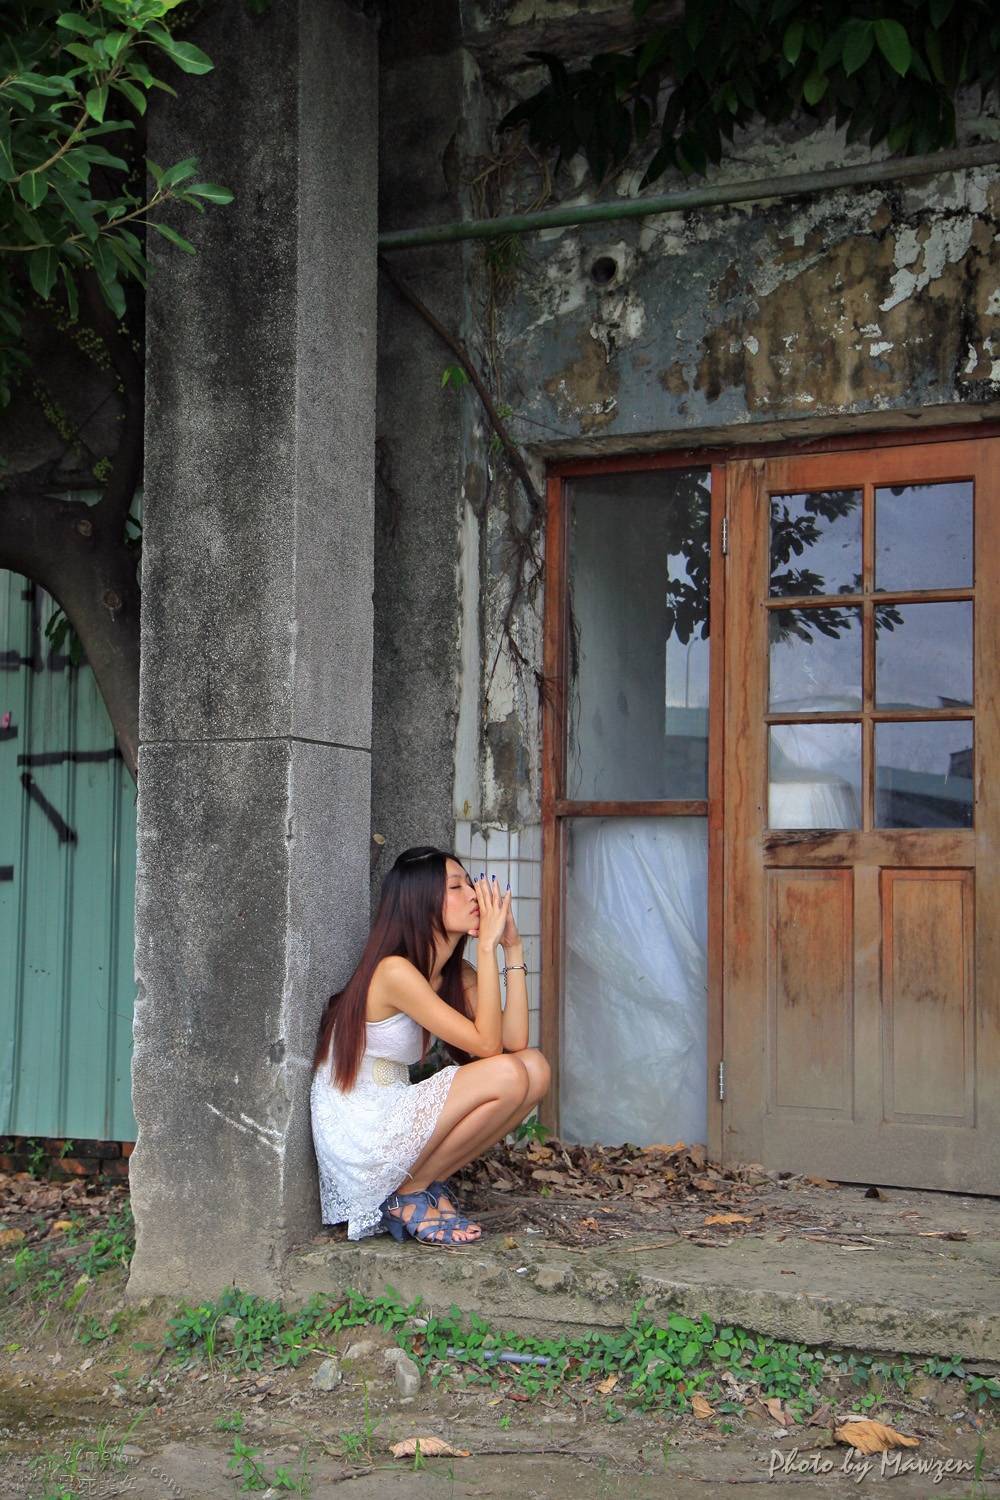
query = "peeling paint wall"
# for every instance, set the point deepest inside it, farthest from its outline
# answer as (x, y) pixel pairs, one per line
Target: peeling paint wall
(868, 305)
(848, 304)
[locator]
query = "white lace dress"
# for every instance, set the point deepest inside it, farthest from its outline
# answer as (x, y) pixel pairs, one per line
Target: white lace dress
(367, 1139)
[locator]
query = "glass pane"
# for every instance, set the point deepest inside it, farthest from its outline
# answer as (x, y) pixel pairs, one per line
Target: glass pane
(638, 601)
(634, 1060)
(815, 659)
(923, 775)
(923, 655)
(923, 536)
(814, 776)
(816, 543)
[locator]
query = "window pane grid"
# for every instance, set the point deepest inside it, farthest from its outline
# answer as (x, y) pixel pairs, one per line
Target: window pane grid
(885, 654)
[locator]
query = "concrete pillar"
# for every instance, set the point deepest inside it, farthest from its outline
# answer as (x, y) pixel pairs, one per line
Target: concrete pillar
(255, 721)
(428, 114)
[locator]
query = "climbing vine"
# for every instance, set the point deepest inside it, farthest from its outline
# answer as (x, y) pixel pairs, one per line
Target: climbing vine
(886, 71)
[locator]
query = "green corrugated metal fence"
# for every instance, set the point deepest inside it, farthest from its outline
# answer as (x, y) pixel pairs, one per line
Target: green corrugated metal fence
(67, 884)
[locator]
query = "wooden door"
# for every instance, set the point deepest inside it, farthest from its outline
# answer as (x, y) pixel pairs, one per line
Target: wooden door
(862, 963)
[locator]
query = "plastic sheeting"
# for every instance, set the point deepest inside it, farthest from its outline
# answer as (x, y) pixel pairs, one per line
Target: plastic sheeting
(635, 1049)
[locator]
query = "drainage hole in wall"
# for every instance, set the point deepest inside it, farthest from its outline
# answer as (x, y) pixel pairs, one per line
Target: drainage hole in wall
(604, 270)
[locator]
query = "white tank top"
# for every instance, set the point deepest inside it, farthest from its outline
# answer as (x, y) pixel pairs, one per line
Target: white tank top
(398, 1037)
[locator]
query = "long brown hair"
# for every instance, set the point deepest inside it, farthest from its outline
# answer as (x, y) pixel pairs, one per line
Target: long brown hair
(409, 917)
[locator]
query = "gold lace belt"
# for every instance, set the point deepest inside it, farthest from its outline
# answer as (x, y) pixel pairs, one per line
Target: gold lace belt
(385, 1071)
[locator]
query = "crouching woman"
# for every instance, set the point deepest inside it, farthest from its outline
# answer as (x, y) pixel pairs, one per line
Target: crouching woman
(373, 1130)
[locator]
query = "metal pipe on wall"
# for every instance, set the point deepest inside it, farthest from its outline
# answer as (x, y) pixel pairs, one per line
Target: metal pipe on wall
(711, 196)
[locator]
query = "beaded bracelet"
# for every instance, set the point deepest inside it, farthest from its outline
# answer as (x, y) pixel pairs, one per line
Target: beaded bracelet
(507, 968)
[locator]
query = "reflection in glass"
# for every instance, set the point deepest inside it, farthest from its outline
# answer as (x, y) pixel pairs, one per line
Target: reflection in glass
(815, 659)
(814, 776)
(923, 536)
(923, 774)
(923, 655)
(638, 670)
(634, 1041)
(816, 543)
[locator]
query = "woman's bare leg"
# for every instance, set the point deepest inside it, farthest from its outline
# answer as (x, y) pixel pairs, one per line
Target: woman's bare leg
(454, 1151)
(482, 1096)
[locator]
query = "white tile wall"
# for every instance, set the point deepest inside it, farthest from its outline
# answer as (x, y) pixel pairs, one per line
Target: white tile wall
(514, 857)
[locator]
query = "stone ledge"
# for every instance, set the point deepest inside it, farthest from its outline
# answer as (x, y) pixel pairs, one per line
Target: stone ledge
(917, 1299)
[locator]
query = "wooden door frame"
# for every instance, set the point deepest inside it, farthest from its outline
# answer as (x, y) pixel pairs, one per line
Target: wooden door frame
(556, 808)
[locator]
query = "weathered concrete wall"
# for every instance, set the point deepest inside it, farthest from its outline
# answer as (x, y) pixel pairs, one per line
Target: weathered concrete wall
(878, 307)
(427, 130)
(254, 767)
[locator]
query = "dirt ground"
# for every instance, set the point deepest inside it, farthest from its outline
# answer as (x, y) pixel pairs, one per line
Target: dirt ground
(573, 1446)
(112, 1419)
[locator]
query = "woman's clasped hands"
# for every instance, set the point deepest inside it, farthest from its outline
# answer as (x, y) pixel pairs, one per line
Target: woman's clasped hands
(494, 911)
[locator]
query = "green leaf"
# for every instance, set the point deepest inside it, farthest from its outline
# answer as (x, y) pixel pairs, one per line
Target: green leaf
(794, 37)
(189, 58)
(113, 293)
(134, 96)
(174, 237)
(894, 45)
(939, 11)
(42, 266)
(22, 96)
(33, 188)
(73, 22)
(815, 87)
(858, 44)
(7, 168)
(179, 171)
(131, 267)
(72, 301)
(101, 157)
(96, 102)
(114, 42)
(84, 53)
(50, 87)
(80, 208)
(211, 191)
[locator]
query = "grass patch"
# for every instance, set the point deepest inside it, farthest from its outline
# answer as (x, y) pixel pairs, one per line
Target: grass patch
(655, 1367)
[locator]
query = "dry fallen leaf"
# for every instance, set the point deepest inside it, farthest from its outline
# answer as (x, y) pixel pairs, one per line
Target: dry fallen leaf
(873, 1437)
(775, 1409)
(727, 1219)
(61, 1224)
(665, 1150)
(821, 1182)
(11, 1237)
(701, 1407)
(942, 1234)
(430, 1447)
(607, 1385)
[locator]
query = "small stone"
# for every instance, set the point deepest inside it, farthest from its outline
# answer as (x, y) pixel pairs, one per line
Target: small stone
(363, 1349)
(227, 1324)
(328, 1375)
(391, 1356)
(552, 1278)
(407, 1376)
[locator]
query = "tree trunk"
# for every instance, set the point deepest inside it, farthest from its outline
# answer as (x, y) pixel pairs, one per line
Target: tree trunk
(77, 553)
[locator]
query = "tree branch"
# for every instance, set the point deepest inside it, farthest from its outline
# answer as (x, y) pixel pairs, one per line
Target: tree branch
(126, 472)
(90, 572)
(514, 455)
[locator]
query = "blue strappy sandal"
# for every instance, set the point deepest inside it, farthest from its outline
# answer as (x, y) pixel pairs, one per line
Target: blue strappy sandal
(441, 1189)
(439, 1230)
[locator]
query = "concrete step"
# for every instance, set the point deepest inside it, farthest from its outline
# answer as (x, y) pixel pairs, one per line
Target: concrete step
(906, 1292)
